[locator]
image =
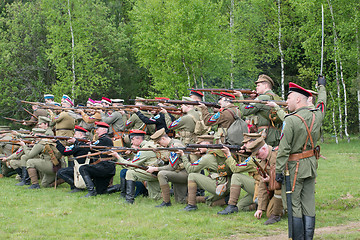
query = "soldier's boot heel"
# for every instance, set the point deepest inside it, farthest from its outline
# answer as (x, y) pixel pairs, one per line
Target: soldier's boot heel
(90, 186)
(309, 227)
(228, 210)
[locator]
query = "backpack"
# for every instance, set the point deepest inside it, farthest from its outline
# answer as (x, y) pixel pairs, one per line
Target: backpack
(200, 127)
(273, 117)
(234, 135)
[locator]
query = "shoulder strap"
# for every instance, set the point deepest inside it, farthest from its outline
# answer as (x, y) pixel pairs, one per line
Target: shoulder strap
(308, 130)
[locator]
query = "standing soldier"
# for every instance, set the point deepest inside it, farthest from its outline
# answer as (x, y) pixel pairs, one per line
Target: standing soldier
(173, 172)
(265, 119)
(185, 124)
(297, 154)
(223, 118)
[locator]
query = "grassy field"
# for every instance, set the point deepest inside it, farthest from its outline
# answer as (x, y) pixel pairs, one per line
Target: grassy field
(56, 214)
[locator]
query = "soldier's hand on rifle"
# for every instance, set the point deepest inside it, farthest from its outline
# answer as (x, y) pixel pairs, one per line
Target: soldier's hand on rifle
(152, 169)
(237, 93)
(265, 180)
(226, 151)
(71, 140)
(321, 80)
(79, 111)
(135, 110)
(258, 214)
(271, 104)
(122, 112)
(114, 154)
(21, 143)
(180, 152)
(163, 110)
(3, 159)
(201, 105)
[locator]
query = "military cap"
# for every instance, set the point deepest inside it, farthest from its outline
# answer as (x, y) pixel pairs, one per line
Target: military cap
(250, 137)
(196, 93)
(205, 138)
(313, 92)
(224, 94)
(265, 78)
(296, 88)
(68, 99)
(90, 101)
(158, 134)
(187, 99)
(38, 130)
(118, 100)
(106, 100)
(254, 146)
(48, 96)
(101, 125)
(80, 129)
(42, 119)
(136, 132)
(4, 128)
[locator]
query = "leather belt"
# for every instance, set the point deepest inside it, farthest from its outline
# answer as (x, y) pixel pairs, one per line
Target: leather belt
(298, 156)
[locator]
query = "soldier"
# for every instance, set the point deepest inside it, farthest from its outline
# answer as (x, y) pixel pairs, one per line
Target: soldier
(43, 157)
(196, 95)
(90, 117)
(99, 174)
(6, 149)
(223, 118)
(44, 123)
(240, 181)
(173, 172)
(37, 112)
(64, 122)
(185, 124)
(219, 173)
(48, 98)
(301, 130)
(68, 173)
(134, 122)
(269, 200)
(142, 158)
(264, 116)
(113, 118)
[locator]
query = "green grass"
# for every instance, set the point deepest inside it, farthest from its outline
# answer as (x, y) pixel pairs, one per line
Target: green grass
(54, 214)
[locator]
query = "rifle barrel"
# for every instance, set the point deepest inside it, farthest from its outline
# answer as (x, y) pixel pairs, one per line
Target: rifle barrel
(281, 103)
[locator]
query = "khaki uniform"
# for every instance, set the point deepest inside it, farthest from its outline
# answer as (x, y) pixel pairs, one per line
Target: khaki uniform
(174, 172)
(145, 158)
(64, 124)
(134, 122)
(15, 158)
(115, 121)
(219, 173)
(223, 119)
(38, 112)
(185, 125)
(6, 150)
(293, 138)
(248, 183)
(263, 115)
(266, 202)
(42, 161)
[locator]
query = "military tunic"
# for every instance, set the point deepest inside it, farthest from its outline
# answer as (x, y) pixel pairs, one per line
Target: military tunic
(41, 160)
(263, 114)
(185, 125)
(247, 183)
(144, 158)
(115, 121)
(64, 124)
(38, 112)
(293, 138)
(134, 122)
(6, 150)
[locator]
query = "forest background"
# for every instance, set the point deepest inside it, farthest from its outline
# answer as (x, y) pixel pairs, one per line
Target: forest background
(128, 48)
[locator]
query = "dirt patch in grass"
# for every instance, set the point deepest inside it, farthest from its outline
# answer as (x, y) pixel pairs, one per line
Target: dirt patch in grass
(341, 229)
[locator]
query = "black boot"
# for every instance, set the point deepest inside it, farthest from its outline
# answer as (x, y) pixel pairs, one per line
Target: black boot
(309, 227)
(34, 186)
(130, 191)
(67, 179)
(113, 189)
(89, 185)
(298, 229)
(122, 187)
(25, 179)
(19, 172)
(228, 210)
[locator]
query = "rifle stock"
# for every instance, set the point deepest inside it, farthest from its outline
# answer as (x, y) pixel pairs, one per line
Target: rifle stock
(179, 102)
(280, 103)
(261, 171)
(57, 137)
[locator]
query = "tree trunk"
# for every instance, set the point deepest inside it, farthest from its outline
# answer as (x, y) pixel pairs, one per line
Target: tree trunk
(358, 69)
(187, 72)
(72, 54)
(231, 45)
(336, 70)
(333, 118)
(281, 54)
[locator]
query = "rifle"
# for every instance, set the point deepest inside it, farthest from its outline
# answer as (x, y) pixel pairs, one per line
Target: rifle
(19, 131)
(261, 171)
(15, 142)
(178, 102)
(231, 90)
(281, 103)
(32, 103)
(58, 137)
(215, 146)
(19, 121)
(30, 113)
